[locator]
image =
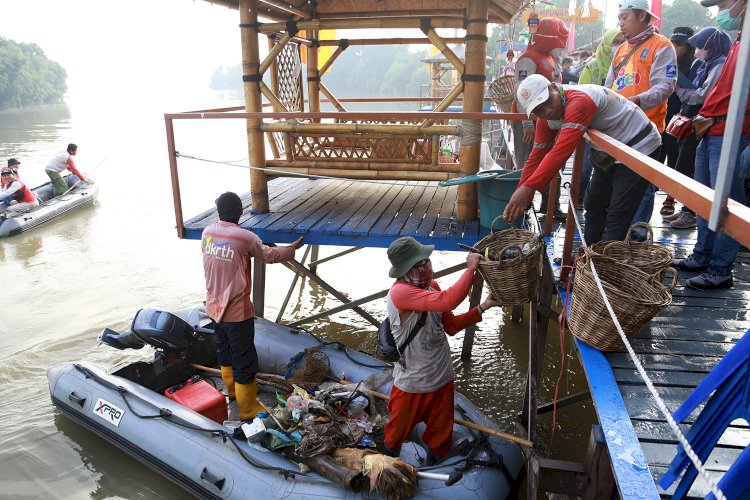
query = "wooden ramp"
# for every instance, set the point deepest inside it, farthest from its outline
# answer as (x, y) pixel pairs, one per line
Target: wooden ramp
(677, 348)
(353, 213)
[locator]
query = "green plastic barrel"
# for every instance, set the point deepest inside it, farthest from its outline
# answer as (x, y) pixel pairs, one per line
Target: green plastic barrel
(495, 189)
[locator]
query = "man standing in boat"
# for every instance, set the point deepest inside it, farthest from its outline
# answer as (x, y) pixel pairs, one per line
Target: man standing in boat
(58, 163)
(227, 251)
(564, 114)
(423, 378)
(15, 196)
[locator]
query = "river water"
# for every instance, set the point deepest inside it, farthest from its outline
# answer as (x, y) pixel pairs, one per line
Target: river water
(66, 281)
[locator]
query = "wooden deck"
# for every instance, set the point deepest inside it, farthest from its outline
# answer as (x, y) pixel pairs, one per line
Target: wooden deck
(677, 348)
(352, 213)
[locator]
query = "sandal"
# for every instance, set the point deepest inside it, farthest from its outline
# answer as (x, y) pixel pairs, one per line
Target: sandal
(667, 207)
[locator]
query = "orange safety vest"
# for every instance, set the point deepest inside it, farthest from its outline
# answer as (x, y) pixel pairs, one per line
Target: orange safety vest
(634, 77)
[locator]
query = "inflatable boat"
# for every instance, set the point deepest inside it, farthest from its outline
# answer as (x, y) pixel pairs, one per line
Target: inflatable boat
(127, 406)
(81, 194)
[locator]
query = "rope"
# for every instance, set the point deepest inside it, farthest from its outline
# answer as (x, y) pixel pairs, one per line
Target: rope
(308, 176)
(642, 372)
(470, 132)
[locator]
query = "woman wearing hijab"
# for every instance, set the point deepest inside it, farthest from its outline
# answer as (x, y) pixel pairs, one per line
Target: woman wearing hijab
(596, 70)
(712, 46)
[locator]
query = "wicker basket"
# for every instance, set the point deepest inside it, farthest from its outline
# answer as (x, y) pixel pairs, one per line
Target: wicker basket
(502, 91)
(510, 274)
(635, 296)
(649, 258)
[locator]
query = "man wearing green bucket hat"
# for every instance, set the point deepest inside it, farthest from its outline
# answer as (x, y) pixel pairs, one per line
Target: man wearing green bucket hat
(423, 378)
(564, 114)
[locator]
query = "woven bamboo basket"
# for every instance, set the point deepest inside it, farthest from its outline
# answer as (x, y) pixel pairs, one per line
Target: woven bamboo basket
(635, 296)
(510, 274)
(649, 258)
(502, 91)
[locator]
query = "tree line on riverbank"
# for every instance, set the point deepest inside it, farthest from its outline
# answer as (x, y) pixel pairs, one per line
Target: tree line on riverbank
(28, 77)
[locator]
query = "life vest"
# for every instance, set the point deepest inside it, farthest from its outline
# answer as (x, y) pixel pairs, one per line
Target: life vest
(634, 78)
(23, 195)
(545, 64)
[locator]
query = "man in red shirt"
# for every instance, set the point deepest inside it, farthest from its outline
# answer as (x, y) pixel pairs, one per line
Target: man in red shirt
(564, 114)
(227, 251)
(714, 253)
(423, 378)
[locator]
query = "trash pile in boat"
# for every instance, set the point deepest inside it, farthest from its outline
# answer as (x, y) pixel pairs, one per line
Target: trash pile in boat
(314, 418)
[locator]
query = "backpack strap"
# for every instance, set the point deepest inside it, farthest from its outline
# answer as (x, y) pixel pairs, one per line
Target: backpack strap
(413, 333)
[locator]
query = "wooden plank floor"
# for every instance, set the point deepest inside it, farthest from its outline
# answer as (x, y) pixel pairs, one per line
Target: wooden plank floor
(351, 213)
(677, 349)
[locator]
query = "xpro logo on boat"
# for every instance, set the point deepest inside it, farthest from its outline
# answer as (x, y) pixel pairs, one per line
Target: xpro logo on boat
(109, 412)
(222, 251)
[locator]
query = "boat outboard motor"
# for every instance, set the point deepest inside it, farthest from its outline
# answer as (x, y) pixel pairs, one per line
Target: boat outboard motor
(159, 329)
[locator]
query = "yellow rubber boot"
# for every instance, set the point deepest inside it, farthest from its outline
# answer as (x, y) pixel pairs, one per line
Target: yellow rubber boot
(246, 400)
(226, 376)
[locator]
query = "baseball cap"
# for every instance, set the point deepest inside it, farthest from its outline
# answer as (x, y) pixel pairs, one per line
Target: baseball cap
(637, 5)
(709, 3)
(13, 161)
(532, 92)
(7, 170)
(681, 34)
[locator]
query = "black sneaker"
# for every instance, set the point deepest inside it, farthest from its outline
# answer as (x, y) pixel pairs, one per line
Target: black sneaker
(689, 264)
(710, 281)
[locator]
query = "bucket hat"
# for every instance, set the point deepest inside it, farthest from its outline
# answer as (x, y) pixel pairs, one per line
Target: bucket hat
(532, 92)
(404, 253)
(13, 161)
(637, 5)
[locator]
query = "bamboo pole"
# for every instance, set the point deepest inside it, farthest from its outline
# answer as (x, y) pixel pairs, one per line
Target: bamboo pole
(253, 103)
(476, 53)
(313, 75)
(372, 23)
(364, 174)
(389, 129)
(393, 13)
(364, 166)
(446, 102)
(278, 106)
(285, 6)
(388, 41)
(351, 115)
(274, 51)
(446, 51)
(435, 153)
(331, 97)
(334, 56)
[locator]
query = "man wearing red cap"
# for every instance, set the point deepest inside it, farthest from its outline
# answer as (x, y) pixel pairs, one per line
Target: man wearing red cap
(540, 58)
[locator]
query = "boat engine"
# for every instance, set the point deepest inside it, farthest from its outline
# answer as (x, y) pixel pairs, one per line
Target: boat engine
(160, 329)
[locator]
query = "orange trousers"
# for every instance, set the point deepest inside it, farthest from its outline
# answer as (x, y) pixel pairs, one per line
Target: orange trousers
(408, 409)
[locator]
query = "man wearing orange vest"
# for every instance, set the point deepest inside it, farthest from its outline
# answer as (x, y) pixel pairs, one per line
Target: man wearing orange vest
(540, 58)
(645, 71)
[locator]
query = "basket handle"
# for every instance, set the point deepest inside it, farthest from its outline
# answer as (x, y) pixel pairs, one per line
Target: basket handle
(649, 233)
(606, 247)
(674, 278)
(511, 247)
(492, 226)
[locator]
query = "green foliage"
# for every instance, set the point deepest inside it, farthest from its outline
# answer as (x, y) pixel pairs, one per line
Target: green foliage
(27, 77)
(684, 13)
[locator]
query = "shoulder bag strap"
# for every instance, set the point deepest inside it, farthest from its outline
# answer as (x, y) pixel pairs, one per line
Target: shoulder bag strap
(413, 333)
(627, 57)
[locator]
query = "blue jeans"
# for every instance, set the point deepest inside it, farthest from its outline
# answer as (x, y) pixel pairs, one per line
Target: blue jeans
(646, 208)
(717, 250)
(585, 173)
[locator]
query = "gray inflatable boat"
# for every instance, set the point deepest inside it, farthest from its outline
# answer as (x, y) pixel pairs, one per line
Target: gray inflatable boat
(50, 207)
(125, 406)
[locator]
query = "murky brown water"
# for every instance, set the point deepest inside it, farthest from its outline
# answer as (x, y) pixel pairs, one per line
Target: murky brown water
(66, 281)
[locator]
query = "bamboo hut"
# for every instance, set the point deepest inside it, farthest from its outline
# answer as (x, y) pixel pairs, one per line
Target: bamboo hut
(443, 75)
(391, 147)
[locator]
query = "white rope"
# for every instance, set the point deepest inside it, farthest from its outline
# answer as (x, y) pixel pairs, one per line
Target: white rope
(310, 176)
(642, 372)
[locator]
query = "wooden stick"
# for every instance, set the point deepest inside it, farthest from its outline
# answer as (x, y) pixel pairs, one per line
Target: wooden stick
(281, 426)
(470, 425)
